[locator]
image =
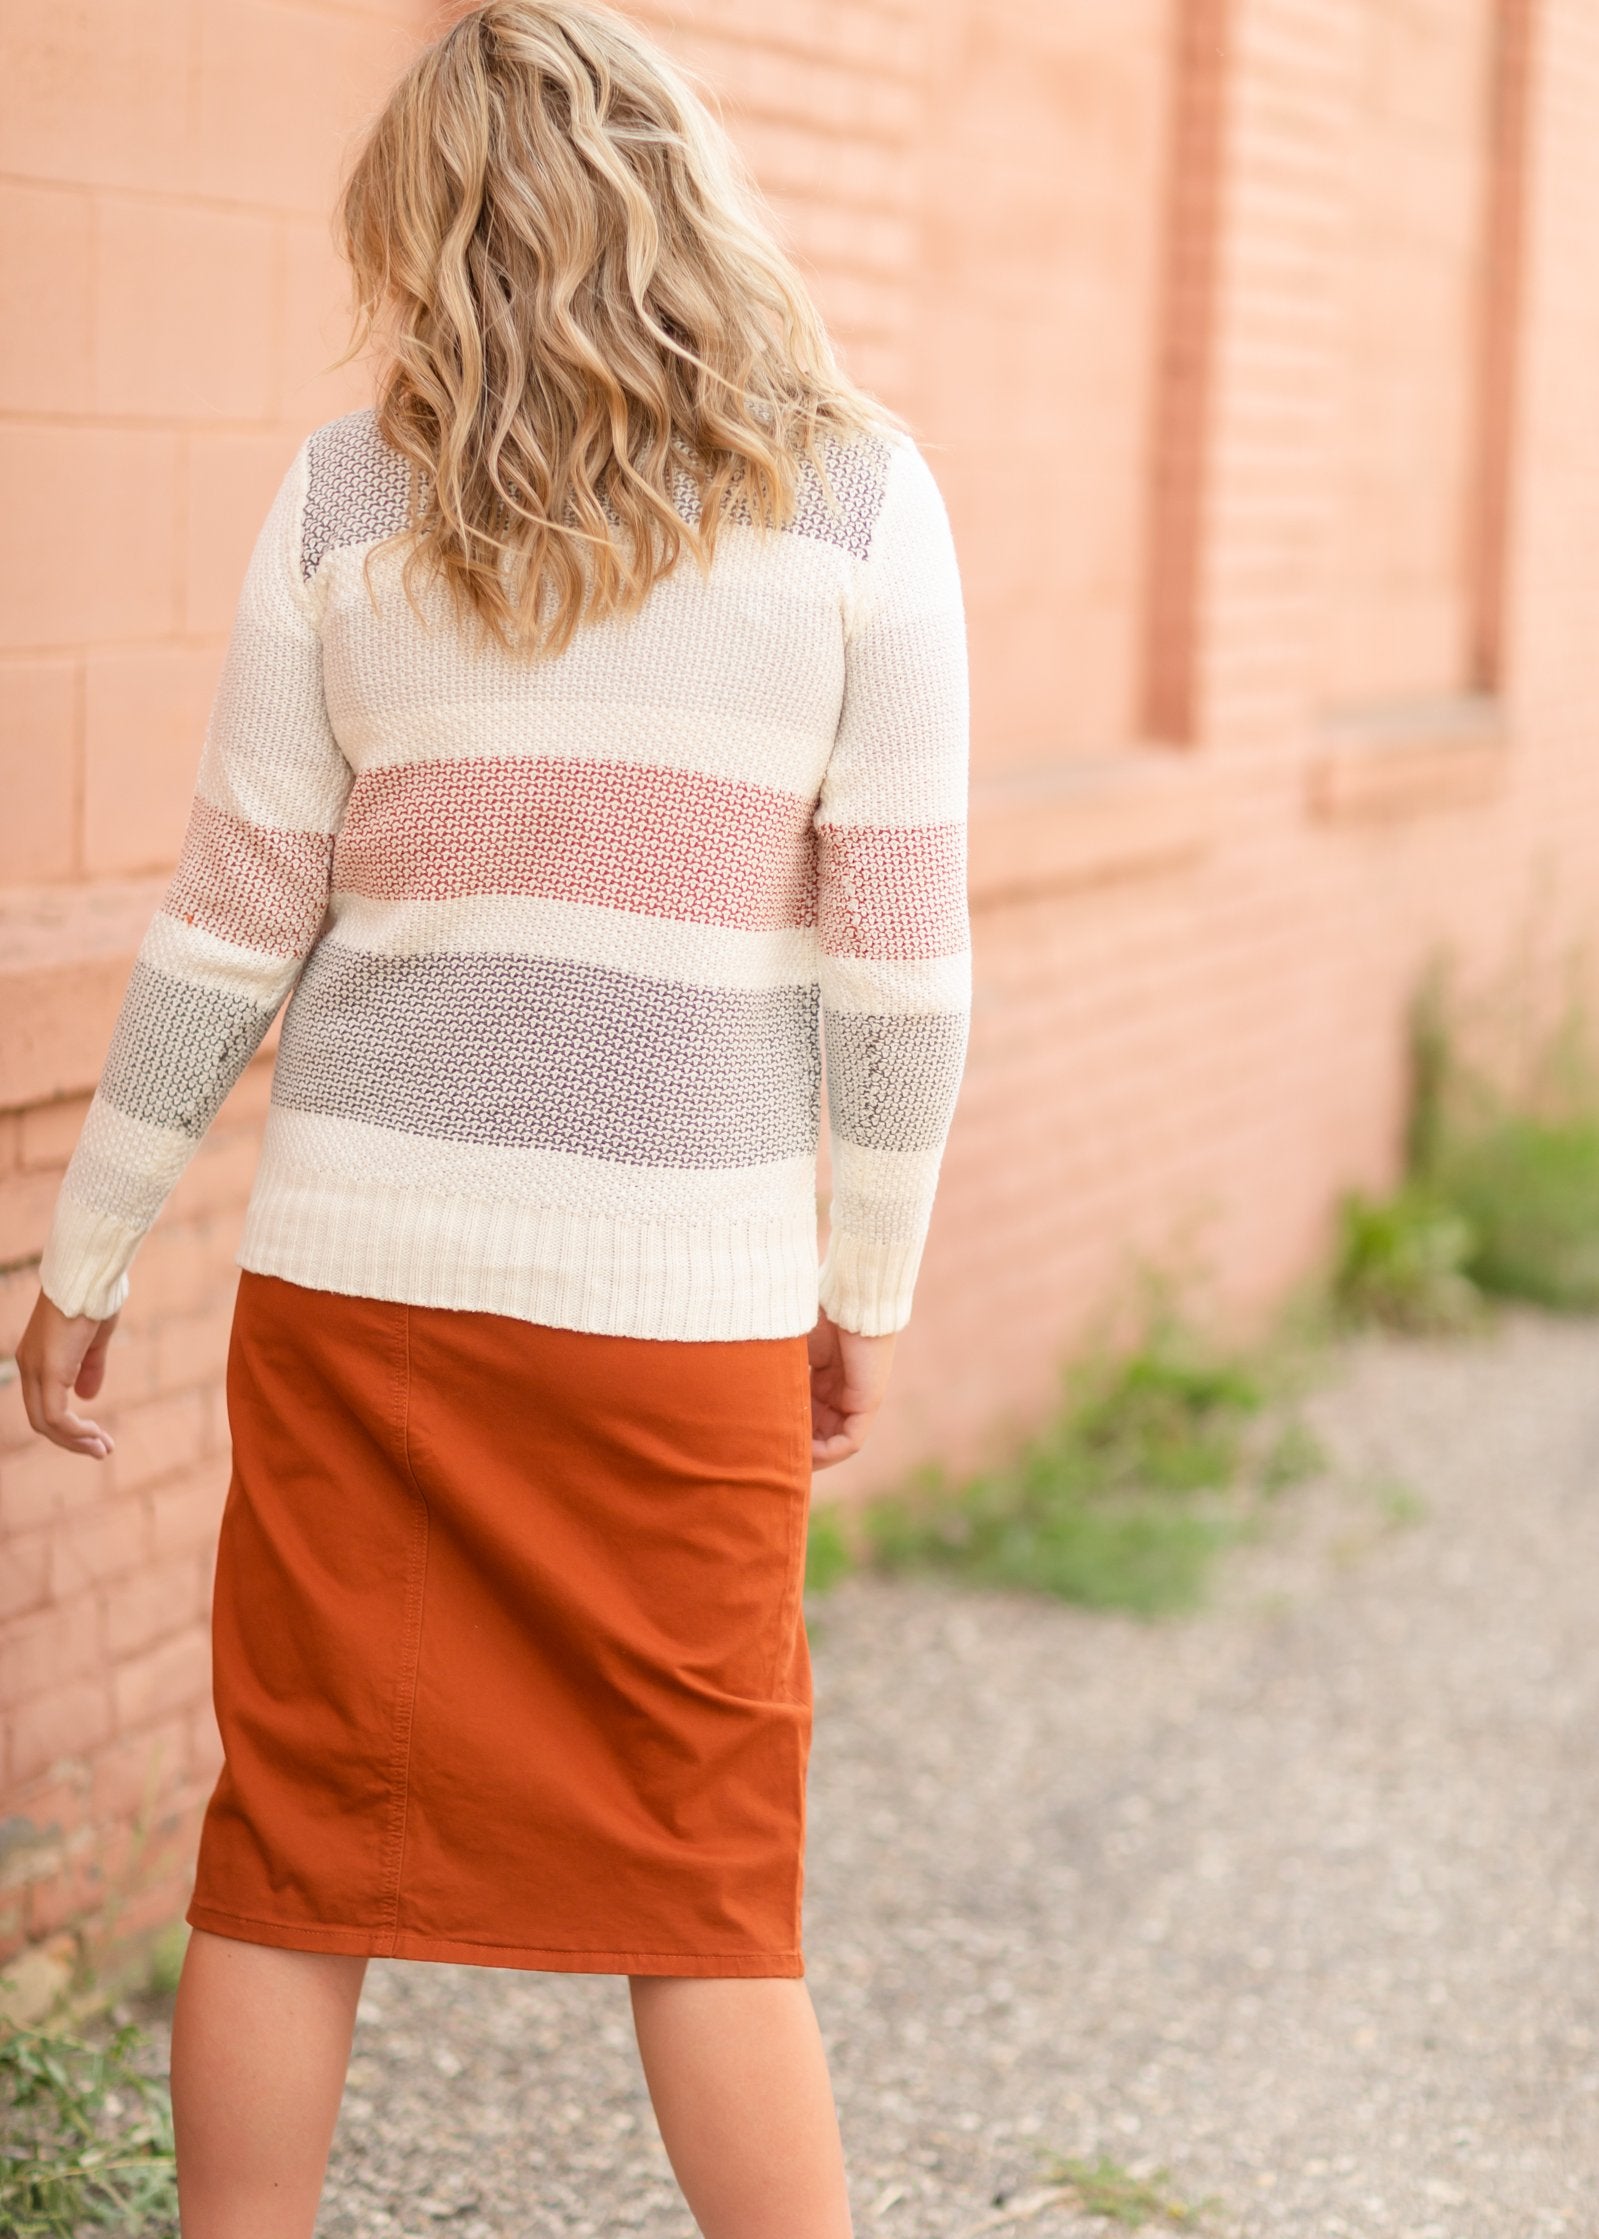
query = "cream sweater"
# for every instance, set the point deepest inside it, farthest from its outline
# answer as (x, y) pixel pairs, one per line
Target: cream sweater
(566, 942)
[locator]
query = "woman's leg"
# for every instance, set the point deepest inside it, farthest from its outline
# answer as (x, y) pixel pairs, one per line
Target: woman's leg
(260, 2044)
(739, 2083)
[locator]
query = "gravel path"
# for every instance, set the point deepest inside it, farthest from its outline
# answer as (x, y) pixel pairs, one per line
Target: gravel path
(1296, 1900)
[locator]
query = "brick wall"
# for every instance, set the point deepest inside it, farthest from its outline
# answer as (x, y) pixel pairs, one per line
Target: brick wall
(170, 299)
(1251, 344)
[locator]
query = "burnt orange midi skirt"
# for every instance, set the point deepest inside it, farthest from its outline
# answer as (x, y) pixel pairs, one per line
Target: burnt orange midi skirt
(509, 1652)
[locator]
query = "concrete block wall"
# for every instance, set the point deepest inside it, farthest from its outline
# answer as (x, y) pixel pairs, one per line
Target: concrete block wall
(1286, 661)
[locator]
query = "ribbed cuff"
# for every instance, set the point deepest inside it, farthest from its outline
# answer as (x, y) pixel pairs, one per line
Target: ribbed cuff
(546, 1263)
(867, 1287)
(84, 1269)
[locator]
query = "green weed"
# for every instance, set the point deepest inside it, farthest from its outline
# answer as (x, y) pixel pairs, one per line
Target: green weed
(1405, 1261)
(1399, 1505)
(164, 1962)
(1153, 1464)
(827, 1551)
(85, 2138)
(1103, 2188)
(1528, 1188)
(1294, 1455)
(1501, 1196)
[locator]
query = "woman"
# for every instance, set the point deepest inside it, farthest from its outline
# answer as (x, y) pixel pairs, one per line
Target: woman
(589, 756)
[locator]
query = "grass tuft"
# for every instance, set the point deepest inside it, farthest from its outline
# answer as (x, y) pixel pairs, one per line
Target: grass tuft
(828, 1556)
(1501, 1197)
(1529, 1190)
(1103, 2188)
(1406, 1262)
(1153, 1464)
(85, 2138)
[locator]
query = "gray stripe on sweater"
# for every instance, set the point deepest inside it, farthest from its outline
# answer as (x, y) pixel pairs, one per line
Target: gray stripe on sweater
(892, 1079)
(177, 1050)
(553, 1054)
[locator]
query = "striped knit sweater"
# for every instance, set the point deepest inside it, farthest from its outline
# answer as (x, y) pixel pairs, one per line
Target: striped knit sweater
(571, 946)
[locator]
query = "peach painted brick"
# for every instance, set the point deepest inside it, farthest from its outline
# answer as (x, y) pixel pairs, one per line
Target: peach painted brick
(90, 544)
(40, 1480)
(148, 1605)
(97, 91)
(282, 92)
(110, 1540)
(315, 329)
(217, 1179)
(193, 1348)
(43, 1650)
(205, 1741)
(138, 1770)
(168, 1677)
(157, 1903)
(47, 1814)
(45, 297)
(66, 1720)
(229, 480)
(132, 1369)
(15, 1431)
(25, 1560)
(30, 1476)
(183, 311)
(247, 1100)
(72, 1889)
(40, 725)
(50, 1131)
(144, 722)
(26, 1203)
(185, 1512)
(155, 1440)
(177, 1269)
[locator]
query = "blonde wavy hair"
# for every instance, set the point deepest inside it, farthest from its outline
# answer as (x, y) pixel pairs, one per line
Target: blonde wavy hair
(593, 349)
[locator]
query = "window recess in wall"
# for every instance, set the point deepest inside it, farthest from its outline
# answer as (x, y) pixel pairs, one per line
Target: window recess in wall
(1412, 653)
(1045, 272)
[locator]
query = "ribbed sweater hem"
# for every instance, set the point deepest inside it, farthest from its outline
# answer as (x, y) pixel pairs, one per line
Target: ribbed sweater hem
(542, 1263)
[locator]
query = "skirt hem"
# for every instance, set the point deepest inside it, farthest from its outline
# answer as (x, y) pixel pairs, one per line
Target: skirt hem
(407, 1943)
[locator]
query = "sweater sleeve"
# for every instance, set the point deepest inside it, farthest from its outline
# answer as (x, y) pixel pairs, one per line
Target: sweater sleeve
(894, 933)
(233, 928)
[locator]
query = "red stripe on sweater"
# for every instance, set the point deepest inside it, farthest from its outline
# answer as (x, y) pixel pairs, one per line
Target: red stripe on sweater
(252, 884)
(659, 842)
(892, 890)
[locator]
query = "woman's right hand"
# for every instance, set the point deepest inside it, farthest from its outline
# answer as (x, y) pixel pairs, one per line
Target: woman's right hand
(61, 1354)
(849, 1375)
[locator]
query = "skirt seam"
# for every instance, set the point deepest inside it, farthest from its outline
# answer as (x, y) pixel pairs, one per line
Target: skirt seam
(482, 1944)
(410, 1655)
(794, 1575)
(198, 1913)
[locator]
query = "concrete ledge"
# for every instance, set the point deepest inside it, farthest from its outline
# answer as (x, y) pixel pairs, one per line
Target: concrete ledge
(1408, 756)
(65, 956)
(1084, 822)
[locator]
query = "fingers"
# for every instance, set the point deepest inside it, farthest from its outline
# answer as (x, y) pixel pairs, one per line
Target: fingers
(836, 1438)
(50, 1411)
(827, 1453)
(91, 1372)
(849, 1374)
(59, 1352)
